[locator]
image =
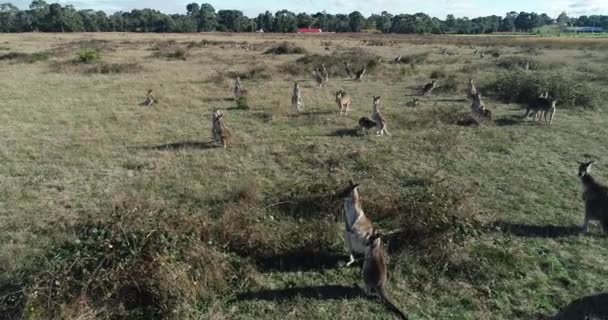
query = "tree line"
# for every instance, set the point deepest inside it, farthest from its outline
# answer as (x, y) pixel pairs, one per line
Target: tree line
(44, 17)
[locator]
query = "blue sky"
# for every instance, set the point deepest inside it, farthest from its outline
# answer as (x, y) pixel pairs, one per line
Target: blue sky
(437, 8)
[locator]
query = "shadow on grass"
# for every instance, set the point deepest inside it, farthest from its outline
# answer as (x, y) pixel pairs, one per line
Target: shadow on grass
(12, 301)
(217, 99)
(346, 133)
(301, 259)
(320, 292)
(180, 145)
(317, 112)
(590, 307)
(538, 231)
(506, 122)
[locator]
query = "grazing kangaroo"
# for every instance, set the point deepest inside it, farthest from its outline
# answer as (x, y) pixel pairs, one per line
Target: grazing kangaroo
(379, 118)
(348, 70)
(325, 74)
(428, 89)
(360, 74)
(471, 89)
(366, 124)
(319, 77)
(413, 103)
(296, 98)
(542, 107)
(595, 196)
(343, 100)
(219, 132)
(149, 99)
(374, 271)
(358, 227)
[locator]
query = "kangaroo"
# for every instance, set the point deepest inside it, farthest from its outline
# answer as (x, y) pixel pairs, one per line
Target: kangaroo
(360, 74)
(343, 100)
(296, 98)
(379, 118)
(414, 103)
(149, 99)
(471, 89)
(219, 132)
(319, 77)
(542, 107)
(398, 59)
(366, 124)
(595, 196)
(348, 70)
(477, 104)
(374, 271)
(325, 74)
(428, 89)
(357, 225)
(238, 88)
(478, 109)
(526, 65)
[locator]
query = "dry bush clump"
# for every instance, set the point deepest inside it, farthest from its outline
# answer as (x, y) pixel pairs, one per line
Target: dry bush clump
(518, 63)
(135, 260)
(95, 68)
(172, 54)
(356, 58)
(416, 59)
(71, 47)
(523, 87)
(20, 57)
(257, 72)
(286, 48)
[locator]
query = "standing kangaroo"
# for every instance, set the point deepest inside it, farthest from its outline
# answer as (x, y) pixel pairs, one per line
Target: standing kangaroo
(360, 74)
(595, 196)
(357, 225)
(219, 132)
(375, 271)
(296, 98)
(378, 118)
(349, 72)
(343, 100)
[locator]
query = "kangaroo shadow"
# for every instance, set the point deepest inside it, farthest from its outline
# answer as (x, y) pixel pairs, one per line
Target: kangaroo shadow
(180, 145)
(217, 99)
(320, 292)
(590, 307)
(316, 112)
(346, 133)
(301, 259)
(448, 100)
(538, 231)
(506, 122)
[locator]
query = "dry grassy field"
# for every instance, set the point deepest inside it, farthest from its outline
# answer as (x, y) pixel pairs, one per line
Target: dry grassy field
(113, 210)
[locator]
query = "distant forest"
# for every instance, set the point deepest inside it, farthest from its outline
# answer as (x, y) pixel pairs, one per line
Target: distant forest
(44, 17)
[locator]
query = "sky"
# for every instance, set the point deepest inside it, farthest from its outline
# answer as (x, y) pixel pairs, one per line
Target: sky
(435, 8)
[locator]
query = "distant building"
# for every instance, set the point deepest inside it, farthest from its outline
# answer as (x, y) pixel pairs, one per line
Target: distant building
(584, 29)
(309, 30)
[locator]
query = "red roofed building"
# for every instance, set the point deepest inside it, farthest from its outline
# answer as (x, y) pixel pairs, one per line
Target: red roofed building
(309, 30)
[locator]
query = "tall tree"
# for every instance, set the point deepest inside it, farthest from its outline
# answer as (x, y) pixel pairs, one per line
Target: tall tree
(207, 18)
(356, 21)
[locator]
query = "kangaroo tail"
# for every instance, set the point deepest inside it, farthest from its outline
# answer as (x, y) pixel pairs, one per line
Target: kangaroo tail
(391, 306)
(385, 130)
